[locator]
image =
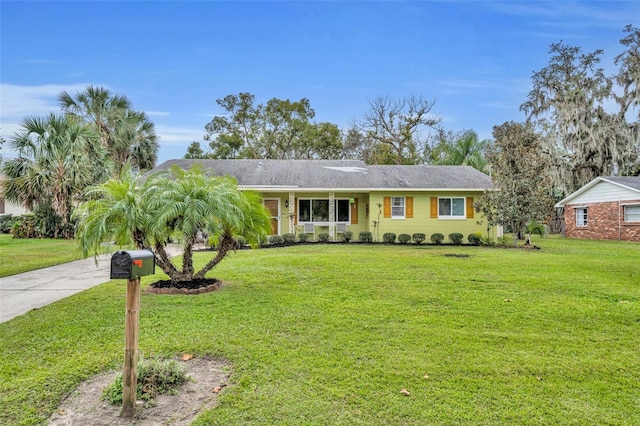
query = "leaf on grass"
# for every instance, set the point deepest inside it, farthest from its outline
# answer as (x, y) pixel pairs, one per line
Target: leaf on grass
(187, 357)
(217, 389)
(405, 392)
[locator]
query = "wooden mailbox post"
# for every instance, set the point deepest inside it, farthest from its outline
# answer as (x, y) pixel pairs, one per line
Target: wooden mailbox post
(131, 265)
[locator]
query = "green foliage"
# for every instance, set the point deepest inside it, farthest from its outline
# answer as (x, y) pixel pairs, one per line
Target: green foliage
(323, 237)
(127, 135)
(523, 189)
(347, 236)
(6, 223)
(156, 376)
(278, 129)
(389, 237)
(574, 103)
(22, 255)
(176, 204)
(288, 238)
(418, 237)
(437, 238)
(303, 238)
(276, 239)
(460, 149)
(537, 228)
(456, 238)
(404, 238)
(241, 241)
(365, 236)
(475, 238)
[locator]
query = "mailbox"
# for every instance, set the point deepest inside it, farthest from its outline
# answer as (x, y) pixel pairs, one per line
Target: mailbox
(130, 264)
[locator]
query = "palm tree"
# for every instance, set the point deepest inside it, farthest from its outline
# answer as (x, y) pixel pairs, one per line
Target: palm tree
(173, 205)
(55, 163)
(114, 213)
(466, 150)
(127, 134)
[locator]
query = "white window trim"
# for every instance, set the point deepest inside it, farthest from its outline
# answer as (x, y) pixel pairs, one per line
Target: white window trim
(452, 217)
(301, 222)
(586, 211)
(404, 208)
(624, 213)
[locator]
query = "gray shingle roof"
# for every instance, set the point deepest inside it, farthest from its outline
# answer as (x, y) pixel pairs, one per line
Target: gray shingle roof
(630, 181)
(340, 174)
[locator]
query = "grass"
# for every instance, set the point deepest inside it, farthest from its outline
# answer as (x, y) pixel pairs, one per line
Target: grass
(22, 255)
(331, 334)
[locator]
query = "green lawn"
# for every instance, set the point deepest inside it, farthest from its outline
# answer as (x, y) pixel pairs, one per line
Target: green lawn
(22, 255)
(330, 334)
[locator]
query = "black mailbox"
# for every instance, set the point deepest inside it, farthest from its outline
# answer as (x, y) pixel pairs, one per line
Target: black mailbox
(130, 264)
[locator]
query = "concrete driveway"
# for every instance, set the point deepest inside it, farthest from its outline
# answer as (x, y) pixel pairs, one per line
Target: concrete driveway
(21, 293)
(30, 290)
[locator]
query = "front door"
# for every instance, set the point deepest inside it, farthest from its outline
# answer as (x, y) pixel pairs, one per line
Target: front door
(273, 205)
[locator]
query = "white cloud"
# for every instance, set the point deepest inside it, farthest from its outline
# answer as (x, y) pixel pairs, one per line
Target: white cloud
(17, 101)
(158, 113)
(178, 136)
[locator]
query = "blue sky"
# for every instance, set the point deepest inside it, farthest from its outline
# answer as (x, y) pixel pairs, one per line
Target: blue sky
(174, 59)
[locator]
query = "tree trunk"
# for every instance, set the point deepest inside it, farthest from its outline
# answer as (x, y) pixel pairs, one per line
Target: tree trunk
(226, 243)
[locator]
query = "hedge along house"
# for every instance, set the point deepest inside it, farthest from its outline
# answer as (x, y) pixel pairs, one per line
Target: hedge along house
(334, 196)
(607, 208)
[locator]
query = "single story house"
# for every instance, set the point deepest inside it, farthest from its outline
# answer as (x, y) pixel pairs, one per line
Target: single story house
(333, 196)
(607, 208)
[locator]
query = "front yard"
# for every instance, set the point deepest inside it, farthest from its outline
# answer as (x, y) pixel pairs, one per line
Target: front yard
(331, 334)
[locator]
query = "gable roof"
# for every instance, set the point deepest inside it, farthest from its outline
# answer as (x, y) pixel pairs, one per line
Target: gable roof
(327, 175)
(631, 183)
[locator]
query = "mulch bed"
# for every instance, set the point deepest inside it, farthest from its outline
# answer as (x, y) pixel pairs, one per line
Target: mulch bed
(197, 286)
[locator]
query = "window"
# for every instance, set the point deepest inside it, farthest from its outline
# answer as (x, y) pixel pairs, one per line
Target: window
(451, 207)
(632, 213)
(397, 207)
(581, 216)
(317, 210)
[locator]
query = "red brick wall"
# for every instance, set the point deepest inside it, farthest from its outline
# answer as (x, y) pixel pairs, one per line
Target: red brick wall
(605, 221)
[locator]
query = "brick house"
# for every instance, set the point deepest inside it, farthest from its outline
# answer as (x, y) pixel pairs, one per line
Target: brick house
(607, 208)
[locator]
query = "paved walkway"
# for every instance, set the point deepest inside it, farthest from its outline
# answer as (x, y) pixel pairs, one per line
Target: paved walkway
(21, 293)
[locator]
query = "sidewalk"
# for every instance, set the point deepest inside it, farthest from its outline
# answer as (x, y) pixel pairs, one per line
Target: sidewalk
(21, 293)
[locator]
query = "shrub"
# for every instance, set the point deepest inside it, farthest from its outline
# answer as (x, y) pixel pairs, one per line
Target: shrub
(303, 238)
(456, 238)
(276, 239)
(474, 239)
(347, 236)
(241, 241)
(288, 238)
(437, 238)
(404, 238)
(535, 227)
(323, 236)
(389, 237)
(155, 377)
(6, 223)
(418, 238)
(365, 236)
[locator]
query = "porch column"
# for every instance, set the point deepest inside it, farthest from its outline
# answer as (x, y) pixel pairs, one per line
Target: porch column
(332, 216)
(292, 213)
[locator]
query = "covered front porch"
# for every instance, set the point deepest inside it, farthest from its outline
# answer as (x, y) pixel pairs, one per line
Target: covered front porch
(315, 213)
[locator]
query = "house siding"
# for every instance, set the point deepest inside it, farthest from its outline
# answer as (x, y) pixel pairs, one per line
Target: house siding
(605, 221)
(422, 222)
